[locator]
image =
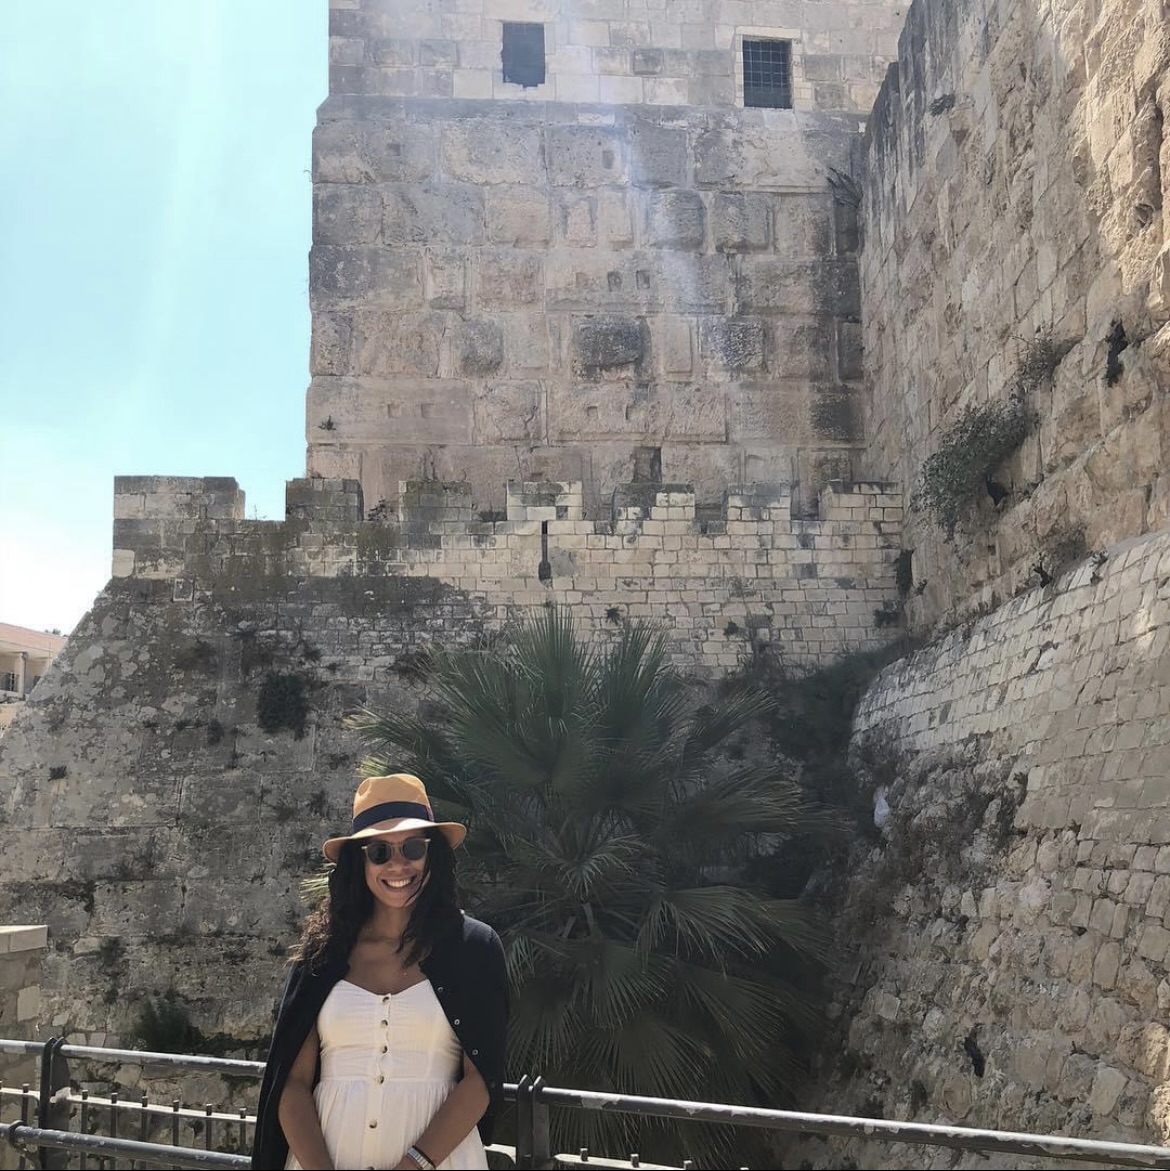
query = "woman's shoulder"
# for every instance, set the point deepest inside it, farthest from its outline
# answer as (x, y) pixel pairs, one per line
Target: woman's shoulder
(476, 933)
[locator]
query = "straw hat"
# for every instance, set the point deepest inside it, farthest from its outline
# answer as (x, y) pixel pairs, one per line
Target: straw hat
(383, 805)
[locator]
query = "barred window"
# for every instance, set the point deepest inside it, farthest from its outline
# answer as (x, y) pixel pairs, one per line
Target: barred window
(767, 73)
(523, 53)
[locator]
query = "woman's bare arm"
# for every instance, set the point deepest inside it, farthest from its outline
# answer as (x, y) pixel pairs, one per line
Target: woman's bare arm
(297, 1111)
(455, 1119)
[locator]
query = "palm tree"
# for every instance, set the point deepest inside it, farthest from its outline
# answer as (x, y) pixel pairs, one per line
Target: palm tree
(608, 825)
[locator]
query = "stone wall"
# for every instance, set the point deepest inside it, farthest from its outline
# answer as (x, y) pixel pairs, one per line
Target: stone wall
(1019, 973)
(161, 831)
(21, 952)
(750, 580)
(621, 274)
(1016, 173)
(612, 52)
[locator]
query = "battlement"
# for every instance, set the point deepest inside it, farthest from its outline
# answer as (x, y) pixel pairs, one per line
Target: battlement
(147, 507)
(728, 580)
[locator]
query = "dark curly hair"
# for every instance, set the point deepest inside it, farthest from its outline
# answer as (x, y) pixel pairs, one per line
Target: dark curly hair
(332, 928)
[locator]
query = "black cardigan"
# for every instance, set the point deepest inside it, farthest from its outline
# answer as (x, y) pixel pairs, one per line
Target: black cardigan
(466, 970)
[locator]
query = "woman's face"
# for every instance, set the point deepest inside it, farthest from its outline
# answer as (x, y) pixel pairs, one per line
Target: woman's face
(396, 880)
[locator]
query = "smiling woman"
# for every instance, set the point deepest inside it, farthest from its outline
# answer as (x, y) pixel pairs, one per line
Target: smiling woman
(389, 1046)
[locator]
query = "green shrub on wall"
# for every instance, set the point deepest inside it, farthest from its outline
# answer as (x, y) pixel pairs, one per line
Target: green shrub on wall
(283, 704)
(983, 436)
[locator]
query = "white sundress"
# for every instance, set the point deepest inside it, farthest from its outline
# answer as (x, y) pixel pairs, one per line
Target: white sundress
(387, 1065)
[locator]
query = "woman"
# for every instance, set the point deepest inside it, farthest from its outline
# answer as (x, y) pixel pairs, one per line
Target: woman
(388, 1050)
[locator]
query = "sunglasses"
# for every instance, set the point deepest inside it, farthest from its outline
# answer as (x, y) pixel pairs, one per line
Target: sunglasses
(380, 851)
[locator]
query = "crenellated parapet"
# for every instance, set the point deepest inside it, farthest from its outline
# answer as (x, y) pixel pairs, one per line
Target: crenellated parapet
(816, 584)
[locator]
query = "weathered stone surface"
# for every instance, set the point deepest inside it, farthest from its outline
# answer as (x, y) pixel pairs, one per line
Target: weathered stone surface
(363, 276)
(732, 344)
(442, 213)
(518, 216)
(347, 152)
(675, 219)
(587, 156)
(346, 214)
(481, 348)
(601, 344)
(490, 151)
(740, 223)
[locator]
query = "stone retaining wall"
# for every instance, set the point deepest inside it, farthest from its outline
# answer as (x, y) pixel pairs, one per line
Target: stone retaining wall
(1022, 884)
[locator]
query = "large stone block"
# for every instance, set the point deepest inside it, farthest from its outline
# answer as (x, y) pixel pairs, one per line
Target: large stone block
(774, 411)
(391, 151)
(649, 414)
(363, 276)
(330, 351)
(587, 156)
(435, 213)
(606, 343)
(731, 344)
(489, 150)
(576, 218)
(399, 410)
(346, 214)
(517, 216)
(803, 226)
(802, 347)
(480, 348)
(508, 279)
(526, 343)
(445, 278)
(777, 286)
(509, 412)
(740, 222)
(398, 343)
(836, 415)
(675, 219)
(658, 155)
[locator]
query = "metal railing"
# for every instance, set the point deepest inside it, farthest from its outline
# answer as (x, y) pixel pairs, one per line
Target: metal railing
(44, 1138)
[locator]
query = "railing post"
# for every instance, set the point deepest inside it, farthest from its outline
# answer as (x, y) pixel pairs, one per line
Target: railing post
(541, 1142)
(51, 1114)
(524, 1123)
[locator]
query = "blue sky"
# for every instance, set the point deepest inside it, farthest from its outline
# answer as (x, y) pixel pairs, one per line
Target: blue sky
(154, 160)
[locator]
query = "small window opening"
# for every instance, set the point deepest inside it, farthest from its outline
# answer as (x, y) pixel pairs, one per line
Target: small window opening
(767, 74)
(523, 53)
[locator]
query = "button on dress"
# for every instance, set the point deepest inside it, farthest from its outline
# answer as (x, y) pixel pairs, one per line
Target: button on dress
(387, 1065)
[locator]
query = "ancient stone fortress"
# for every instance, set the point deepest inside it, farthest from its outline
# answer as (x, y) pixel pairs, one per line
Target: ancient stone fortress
(578, 242)
(590, 283)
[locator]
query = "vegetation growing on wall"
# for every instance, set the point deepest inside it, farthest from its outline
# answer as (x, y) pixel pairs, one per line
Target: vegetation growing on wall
(283, 703)
(164, 1025)
(961, 471)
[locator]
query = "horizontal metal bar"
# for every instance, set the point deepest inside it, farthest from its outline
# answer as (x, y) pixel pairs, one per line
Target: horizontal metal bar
(35, 1048)
(148, 1107)
(926, 1134)
(588, 1160)
(23, 1137)
(173, 1060)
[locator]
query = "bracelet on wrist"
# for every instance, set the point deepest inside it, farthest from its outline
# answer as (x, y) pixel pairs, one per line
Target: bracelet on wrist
(421, 1158)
